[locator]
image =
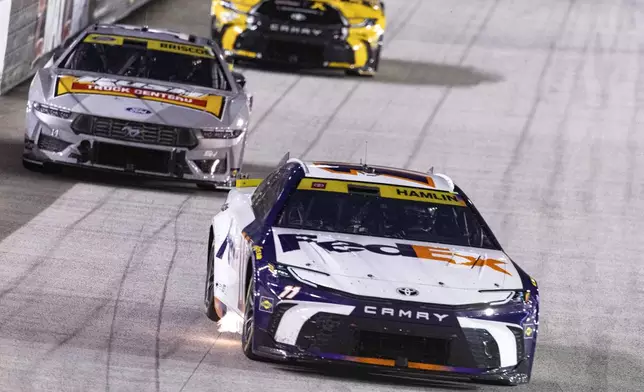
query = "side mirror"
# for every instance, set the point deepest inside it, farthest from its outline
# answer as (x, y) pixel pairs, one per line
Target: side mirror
(239, 79)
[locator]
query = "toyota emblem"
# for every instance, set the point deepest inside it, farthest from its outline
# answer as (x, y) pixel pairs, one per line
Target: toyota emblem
(298, 17)
(407, 291)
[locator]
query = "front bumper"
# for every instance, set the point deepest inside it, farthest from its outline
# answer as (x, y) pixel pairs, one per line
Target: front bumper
(156, 153)
(287, 48)
(312, 325)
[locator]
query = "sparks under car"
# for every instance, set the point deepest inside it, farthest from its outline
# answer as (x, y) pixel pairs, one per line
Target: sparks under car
(337, 34)
(373, 266)
(143, 101)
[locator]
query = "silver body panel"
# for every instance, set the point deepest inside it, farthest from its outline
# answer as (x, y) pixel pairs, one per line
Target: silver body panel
(144, 114)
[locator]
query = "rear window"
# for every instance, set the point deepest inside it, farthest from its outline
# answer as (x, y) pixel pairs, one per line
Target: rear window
(386, 211)
(141, 58)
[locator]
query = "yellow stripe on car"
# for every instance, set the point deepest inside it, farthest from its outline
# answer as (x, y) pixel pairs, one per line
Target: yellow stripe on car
(385, 190)
(164, 46)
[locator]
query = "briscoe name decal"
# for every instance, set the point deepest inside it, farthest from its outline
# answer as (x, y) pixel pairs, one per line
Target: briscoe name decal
(403, 313)
(291, 242)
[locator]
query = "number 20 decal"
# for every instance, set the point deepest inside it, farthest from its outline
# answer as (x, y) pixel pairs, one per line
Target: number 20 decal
(289, 292)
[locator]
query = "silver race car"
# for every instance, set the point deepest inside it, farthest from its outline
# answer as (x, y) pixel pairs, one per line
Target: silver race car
(141, 101)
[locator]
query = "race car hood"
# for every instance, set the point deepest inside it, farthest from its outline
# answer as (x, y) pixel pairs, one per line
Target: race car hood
(131, 99)
(378, 267)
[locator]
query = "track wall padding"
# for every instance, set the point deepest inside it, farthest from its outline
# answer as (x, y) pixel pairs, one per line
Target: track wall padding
(30, 30)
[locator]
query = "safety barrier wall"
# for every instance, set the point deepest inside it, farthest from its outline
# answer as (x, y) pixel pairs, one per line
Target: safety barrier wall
(30, 30)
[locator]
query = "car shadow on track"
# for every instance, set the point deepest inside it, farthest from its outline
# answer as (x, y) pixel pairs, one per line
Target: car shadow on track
(556, 369)
(344, 373)
(402, 72)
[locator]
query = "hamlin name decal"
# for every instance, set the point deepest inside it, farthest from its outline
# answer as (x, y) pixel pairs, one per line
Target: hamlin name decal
(384, 190)
(291, 242)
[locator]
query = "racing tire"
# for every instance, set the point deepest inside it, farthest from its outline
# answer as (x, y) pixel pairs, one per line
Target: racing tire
(209, 295)
(248, 327)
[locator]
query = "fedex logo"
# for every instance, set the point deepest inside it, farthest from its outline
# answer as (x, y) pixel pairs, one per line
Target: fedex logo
(291, 242)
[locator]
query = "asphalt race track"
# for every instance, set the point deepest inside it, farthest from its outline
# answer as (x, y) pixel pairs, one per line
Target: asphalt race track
(532, 107)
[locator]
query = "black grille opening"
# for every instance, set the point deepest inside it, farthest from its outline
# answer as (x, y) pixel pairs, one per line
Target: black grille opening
(331, 333)
(132, 158)
(327, 333)
(413, 348)
(212, 166)
(137, 132)
(518, 337)
(484, 348)
(291, 52)
(278, 313)
(50, 143)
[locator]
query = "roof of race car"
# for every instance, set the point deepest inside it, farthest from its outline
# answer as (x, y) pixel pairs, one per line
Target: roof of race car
(377, 175)
(150, 33)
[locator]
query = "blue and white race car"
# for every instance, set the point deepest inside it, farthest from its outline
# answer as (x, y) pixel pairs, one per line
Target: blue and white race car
(386, 268)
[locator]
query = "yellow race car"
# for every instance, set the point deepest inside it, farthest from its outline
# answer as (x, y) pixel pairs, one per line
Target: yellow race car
(342, 34)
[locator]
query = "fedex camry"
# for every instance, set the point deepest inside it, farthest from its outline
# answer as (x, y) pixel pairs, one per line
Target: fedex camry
(386, 268)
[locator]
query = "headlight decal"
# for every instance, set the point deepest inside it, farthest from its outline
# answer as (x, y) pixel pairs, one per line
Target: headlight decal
(223, 133)
(51, 110)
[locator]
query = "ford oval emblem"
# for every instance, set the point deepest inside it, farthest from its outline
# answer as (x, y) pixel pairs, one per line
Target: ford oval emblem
(138, 111)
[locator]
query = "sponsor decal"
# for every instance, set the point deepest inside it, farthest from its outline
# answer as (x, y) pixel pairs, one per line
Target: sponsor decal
(138, 111)
(103, 38)
(291, 242)
(404, 313)
(388, 191)
(319, 185)
(282, 28)
(164, 46)
(213, 104)
(423, 180)
(528, 331)
(266, 304)
(258, 252)
(534, 282)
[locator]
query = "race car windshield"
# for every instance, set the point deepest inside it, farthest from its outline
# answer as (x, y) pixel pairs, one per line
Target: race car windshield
(369, 215)
(138, 61)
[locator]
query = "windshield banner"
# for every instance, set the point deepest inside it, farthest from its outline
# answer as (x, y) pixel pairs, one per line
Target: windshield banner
(213, 104)
(172, 47)
(383, 190)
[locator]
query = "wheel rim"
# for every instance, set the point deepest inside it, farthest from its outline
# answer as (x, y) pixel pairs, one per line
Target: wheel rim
(249, 315)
